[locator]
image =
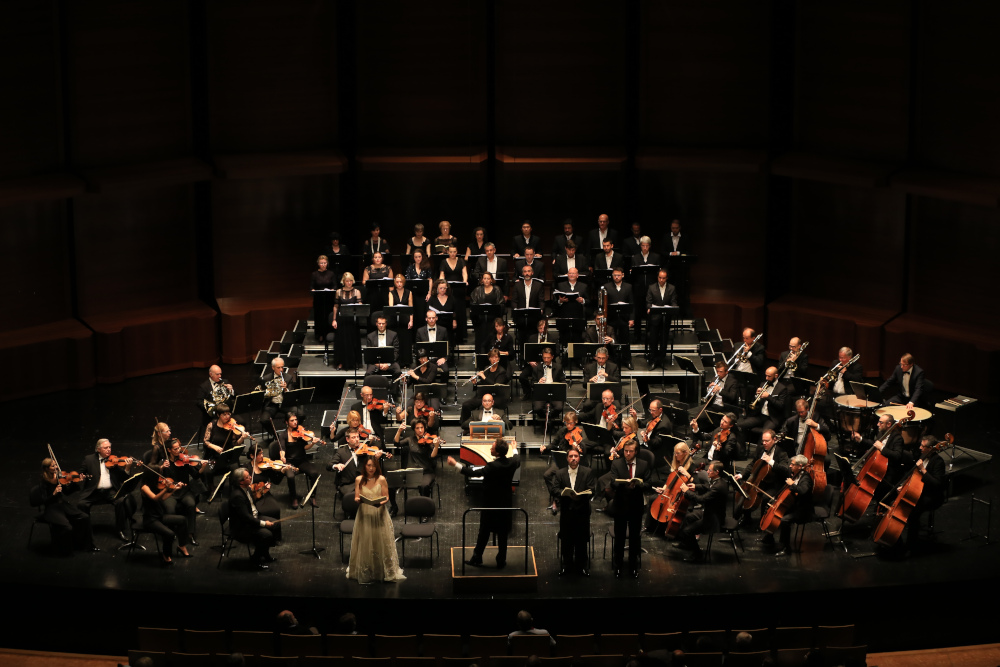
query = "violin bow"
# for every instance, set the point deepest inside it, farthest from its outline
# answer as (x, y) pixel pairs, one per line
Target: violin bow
(221, 482)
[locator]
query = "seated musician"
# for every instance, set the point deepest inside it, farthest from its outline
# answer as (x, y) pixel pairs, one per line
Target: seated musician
(722, 442)
(568, 437)
(793, 356)
(574, 524)
(383, 337)
(487, 412)
(590, 335)
(338, 435)
(660, 294)
(891, 446)
(372, 416)
(801, 485)
(159, 515)
(262, 477)
(223, 444)
(423, 372)
(908, 379)
(768, 411)
(933, 494)
(709, 514)
(184, 501)
(432, 333)
(753, 352)
(65, 509)
(422, 450)
(347, 463)
(157, 452)
(292, 448)
(287, 380)
(103, 483)
(419, 408)
(210, 391)
(248, 524)
(797, 426)
(541, 335)
(607, 414)
(652, 430)
(493, 374)
(776, 460)
(500, 340)
(679, 463)
(844, 375)
(548, 372)
(597, 372)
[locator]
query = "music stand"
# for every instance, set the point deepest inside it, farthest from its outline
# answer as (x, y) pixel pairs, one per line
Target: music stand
(358, 312)
(379, 355)
(559, 457)
(482, 315)
(533, 351)
(549, 392)
(667, 314)
(602, 276)
(433, 390)
(249, 403)
(525, 320)
(570, 329)
(315, 550)
(582, 352)
(126, 489)
(690, 369)
(396, 314)
(618, 315)
(418, 287)
(596, 389)
(600, 436)
(500, 392)
(866, 392)
(746, 381)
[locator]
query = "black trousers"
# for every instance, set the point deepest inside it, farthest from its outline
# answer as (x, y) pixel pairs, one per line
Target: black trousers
(498, 523)
(628, 521)
(124, 505)
(304, 467)
(169, 527)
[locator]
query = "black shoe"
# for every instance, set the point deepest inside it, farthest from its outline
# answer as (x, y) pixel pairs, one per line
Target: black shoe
(694, 558)
(475, 562)
(681, 546)
(618, 573)
(198, 510)
(768, 538)
(314, 502)
(121, 536)
(181, 554)
(584, 571)
(193, 542)
(783, 551)
(635, 573)
(393, 511)
(501, 564)
(554, 509)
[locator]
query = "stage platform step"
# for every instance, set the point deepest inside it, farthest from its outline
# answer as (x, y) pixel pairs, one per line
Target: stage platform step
(516, 577)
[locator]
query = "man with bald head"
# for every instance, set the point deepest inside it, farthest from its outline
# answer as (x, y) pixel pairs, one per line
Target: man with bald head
(794, 361)
(210, 387)
(570, 305)
(768, 404)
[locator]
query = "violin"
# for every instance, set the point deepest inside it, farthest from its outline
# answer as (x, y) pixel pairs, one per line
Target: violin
(610, 415)
(378, 404)
(258, 489)
(268, 464)
(185, 459)
(372, 450)
(723, 436)
(70, 477)
(425, 412)
(302, 434)
(168, 483)
(117, 461)
(621, 444)
(429, 439)
(231, 425)
(574, 437)
(366, 434)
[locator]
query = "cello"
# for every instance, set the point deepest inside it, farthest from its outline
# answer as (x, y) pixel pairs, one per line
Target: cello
(890, 528)
(814, 448)
(670, 506)
(751, 485)
(785, 501)
(873, 465)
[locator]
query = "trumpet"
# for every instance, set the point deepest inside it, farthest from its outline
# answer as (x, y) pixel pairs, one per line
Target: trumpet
(760, 392)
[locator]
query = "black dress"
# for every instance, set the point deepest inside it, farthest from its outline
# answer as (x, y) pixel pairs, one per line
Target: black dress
(347, 341)
(455, 276)
(322, 301)
(447, 307)
(424, 247)
(401, 327)
(338, 261)
(482, 328)
(373, 295)
(420, 294)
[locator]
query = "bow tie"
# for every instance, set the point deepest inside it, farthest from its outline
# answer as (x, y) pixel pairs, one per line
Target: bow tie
(431, 329)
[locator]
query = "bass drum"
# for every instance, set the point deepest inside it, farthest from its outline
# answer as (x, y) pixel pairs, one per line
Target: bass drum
(854, 414)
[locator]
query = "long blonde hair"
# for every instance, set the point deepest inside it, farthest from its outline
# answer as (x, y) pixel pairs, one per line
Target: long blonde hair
(680, 447)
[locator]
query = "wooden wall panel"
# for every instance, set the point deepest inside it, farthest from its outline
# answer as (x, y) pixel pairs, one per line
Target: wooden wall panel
(269, 232)
(272, 75)
(957, 99)
(704, 73)
(29, 76)
(943, 235)
(847, 244)
(34, 265)
(852, 78)
(723, 214)
(421, 73)
(560, 73)
(129, 81)
(135, 249)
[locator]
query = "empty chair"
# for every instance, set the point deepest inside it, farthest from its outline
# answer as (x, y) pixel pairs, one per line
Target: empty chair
(345, 527)
(252, 642)
(840, 655)
(792, 637)
(348, 645)
(324, 661)
(660, 641)
(463, 662)
(791, 657)
(205, 641)
(748, 659)
(600, 660)
(412, 661)
(834, 635)
(540, 645)
(390, 646)
(619, 644)
(703, 659)
(159, 658)
(488, 645)
(442, 646)
(419, 507)
(372, 662)
(276, 661)
(705, 641)
(575, 645)
(164, 640)
(561, 661)
(193, 659)
(507, 660)
(300, 645)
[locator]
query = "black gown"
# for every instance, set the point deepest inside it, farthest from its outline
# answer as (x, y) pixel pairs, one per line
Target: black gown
(401, 327)
(483, 330)
(455, 275)
(419, 296)
(373, 295)
(347, 341)
(322, 301)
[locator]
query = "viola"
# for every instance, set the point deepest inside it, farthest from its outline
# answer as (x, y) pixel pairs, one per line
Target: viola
(650, 426)
(268, 464)
(302, 434)
(231, 425)
(574, 437)
(258, 489)
(371, 450)
(621, 444)
(117, 461)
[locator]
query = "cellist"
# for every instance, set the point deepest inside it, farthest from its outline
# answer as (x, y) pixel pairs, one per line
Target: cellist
(932, 495)
(711, 496)
(776, 460)
(800, 484)
(891, 447)
(679, 464)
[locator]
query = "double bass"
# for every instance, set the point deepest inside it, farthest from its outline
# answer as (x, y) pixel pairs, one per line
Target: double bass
(814, 448)
(890, 528)
(873, 465)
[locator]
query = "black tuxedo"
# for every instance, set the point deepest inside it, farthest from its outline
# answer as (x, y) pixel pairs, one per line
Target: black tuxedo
(440, 334)
(391, 340)
(477, 416)
(802, 364)
(274, 412)
(725, 451)
(802, 508)
(594, 238)
(774, 482)
(917, 389)
(295, 454)
(561, 267)
(498, 477)
(630, 246)
(247, 528)
(559, 245)
(124, 505)
(481, 268)
(683, 245)
(791, 429)
(776, 404)
(629, 504)
(601, 262)
(756, 360)
(377, 418)
(347, 476)
(658, 320)
(610, 367)
(854, 373)
(711, 516)
(572, 308)
(519, 244)
(574, 517)
(662, 449)
(538, 407)
(930, 499)
(517, 295)
(730, 392)
(894, 451)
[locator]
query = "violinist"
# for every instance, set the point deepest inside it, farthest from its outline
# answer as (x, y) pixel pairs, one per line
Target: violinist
(222, 442)
(422, 448)
(383, 337)
(105, 476)
(721, 444)
(182, 468)
(346, 462)
(932, 496)
(65, 509)
(487, 412)
(372, 412)
(655, 428)
(569, 437)
(776, 460)
(768, 405)
(339, 435)
(248, 523)
(606, 414)
(292, 447)
(891, 446)
(709, 515)
(493, 374)
(574, 523)
(156, 492)
(263, 477)
(800, 483)
(157, 453)
(419, 408)
(547, 372)
(797, 426)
